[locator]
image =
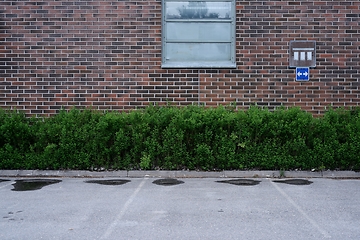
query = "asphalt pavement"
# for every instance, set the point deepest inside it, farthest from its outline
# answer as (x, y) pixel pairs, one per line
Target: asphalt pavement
(194, 208)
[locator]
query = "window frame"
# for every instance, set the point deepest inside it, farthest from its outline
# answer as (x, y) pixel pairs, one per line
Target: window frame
(230, 63)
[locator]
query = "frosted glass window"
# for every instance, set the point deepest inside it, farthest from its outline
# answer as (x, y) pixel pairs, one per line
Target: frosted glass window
(199, 52)
(203, 32)
(198, 34)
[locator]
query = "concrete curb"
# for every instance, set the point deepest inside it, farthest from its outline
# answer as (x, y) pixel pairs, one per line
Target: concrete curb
(179, 174)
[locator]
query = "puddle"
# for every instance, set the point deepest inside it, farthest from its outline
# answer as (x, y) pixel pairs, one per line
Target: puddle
(241, 182)
(4, 180)
(109, 181)
(167, 182)
(295, 181)
(32, 184)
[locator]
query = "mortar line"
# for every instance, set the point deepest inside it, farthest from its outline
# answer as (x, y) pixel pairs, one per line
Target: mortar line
(122, 212)
(302, 212)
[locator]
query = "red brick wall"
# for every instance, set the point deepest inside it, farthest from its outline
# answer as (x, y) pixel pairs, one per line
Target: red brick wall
(107, 54)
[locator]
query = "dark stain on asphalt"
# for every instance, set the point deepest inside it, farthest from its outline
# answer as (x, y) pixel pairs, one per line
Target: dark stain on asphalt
(241, 182)
(109, 181)
(12, 216)
(167, 182)
(295, 181)
(32, 184)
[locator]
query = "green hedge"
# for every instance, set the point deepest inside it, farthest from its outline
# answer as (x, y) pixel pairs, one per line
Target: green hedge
(171, 138)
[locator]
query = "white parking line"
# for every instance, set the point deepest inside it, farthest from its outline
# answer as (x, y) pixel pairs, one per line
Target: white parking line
(118, 218)
(9, 183)
(298, 208)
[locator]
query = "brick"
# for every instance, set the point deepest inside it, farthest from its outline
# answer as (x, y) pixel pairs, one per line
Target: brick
(108, 55)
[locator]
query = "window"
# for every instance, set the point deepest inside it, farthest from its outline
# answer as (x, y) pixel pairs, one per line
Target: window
(198, 34)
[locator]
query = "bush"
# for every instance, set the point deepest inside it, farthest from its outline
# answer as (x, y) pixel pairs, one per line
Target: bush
(171, 138)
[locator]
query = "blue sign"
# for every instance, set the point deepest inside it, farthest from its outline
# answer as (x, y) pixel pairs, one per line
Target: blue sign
(302, 74)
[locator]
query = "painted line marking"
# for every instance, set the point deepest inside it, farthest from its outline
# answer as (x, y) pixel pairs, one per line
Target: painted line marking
(11, 182)
(122, 212)
(302, 212)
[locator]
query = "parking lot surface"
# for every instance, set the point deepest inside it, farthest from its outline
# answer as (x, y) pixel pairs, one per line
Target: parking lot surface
(193, 208)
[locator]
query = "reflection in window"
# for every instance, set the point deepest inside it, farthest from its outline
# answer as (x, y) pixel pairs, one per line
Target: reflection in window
(198, 34)
(198, 10)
